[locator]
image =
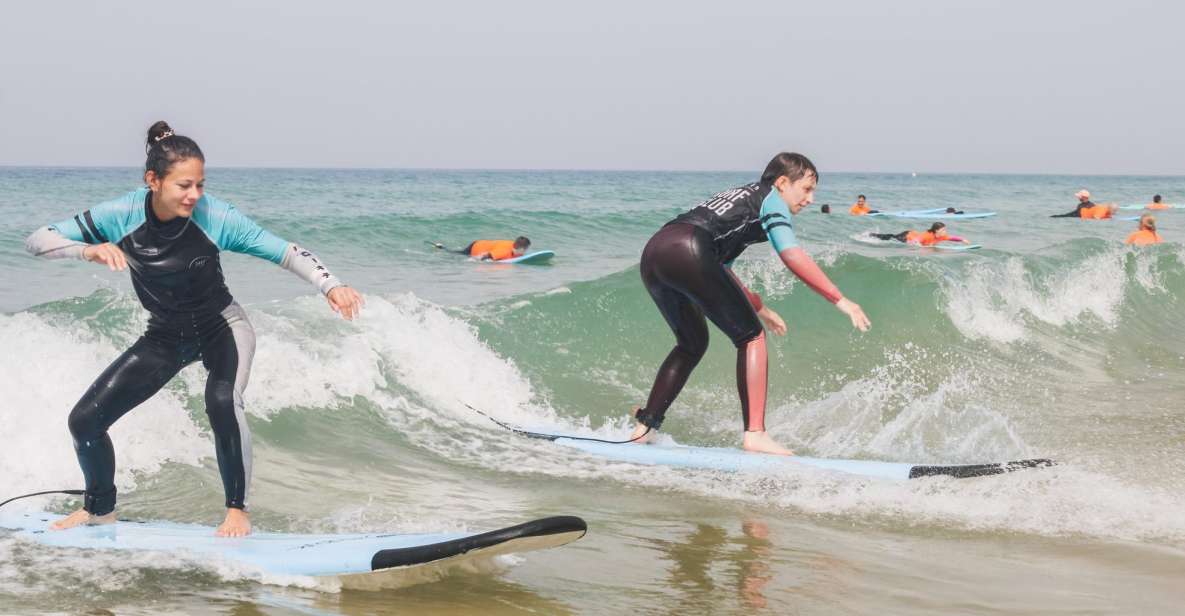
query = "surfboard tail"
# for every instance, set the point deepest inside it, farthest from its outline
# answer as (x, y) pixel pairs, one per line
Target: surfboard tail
(533, 535)
(963, 471)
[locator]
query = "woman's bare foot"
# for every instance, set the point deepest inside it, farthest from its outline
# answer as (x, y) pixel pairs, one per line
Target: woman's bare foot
(82, 517)
(760, 442)
(236, 524)
(642, 433)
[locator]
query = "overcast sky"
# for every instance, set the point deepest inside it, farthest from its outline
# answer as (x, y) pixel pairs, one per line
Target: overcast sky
(942, 86)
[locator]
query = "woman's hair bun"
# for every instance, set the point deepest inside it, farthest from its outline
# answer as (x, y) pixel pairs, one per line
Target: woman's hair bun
(158, 131)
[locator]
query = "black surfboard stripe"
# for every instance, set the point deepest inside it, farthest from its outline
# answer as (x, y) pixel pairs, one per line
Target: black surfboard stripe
(962, 471)
(401, 557)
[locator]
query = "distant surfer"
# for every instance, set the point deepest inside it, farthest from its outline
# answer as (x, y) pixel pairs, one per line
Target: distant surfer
(1157, 204)
(935, 235)
(169, 234)
(686, 267)
(1089, 210)
(493, 250)
(1146, 233)
(860, 207)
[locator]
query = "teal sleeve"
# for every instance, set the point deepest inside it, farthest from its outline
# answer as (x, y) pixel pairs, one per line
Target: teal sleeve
(231, 230)
(106, 222)
(775, 220)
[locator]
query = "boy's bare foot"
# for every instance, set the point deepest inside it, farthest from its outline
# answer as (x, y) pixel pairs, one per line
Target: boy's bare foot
(760, 442)
(82, 517)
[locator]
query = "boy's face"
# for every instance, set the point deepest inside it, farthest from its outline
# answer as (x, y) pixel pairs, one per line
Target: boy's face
(797, 194)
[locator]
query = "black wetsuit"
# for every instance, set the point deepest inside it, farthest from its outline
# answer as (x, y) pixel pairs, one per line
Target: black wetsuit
(177, 275)
(1077, 213)
(900, 237)
(685, 269)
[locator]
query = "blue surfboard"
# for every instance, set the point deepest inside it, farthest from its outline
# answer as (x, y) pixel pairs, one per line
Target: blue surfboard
(737, 460)
(533, 258)
(360, 561)
(1168, 206)
(934, 214)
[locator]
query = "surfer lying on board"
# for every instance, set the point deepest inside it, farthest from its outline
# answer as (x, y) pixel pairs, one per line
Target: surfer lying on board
(1146, 233)
(937, 234)
(860, 208)
(1089, 210)
(169, 234)
(493, 250)
(686, 267)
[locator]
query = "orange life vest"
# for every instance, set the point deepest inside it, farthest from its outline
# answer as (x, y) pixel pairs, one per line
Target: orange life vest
(859, 210)
(498, 249)
(1144, 237)
(925, 238)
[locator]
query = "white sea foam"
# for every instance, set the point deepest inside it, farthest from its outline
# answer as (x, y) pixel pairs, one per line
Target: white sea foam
(44, 370)
(999, 301)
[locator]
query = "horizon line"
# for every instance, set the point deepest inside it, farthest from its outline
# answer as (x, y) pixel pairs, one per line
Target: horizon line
(599, 170)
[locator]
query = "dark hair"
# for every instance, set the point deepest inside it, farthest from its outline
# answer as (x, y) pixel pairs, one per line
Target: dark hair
(521, 242)
(1156, 198)
(165, 149)
(936, 226)
(790, 164)
(826, 209)
(861, 197)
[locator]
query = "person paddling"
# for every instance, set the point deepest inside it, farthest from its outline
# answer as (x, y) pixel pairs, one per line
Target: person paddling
(1145, 234)
(169, 234)
(492, 250)
(1089, 210)
(935, 235)
(686, 268)
(860, 207)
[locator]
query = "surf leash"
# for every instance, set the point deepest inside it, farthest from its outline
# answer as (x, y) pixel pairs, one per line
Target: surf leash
(552, 437)
(68, 492)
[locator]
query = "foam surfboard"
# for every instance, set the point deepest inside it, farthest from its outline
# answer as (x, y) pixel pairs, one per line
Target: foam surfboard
(949, 246)
(1167, 206)
(539, 256)
(872, 241)
(358, 561)
(935, 214)
(737, 460)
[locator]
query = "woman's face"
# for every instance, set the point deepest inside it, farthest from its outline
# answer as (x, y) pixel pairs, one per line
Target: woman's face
(798, 194)
(940, 232)
(177, 193)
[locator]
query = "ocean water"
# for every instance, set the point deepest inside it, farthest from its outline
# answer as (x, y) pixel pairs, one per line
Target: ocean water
(1053, 340)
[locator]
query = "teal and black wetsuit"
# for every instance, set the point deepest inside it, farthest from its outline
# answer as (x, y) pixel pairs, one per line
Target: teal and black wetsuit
(177, 275)
(686, 269)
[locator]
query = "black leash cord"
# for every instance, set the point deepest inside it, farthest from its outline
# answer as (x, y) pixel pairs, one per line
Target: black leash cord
(69, 492)
(552, 437)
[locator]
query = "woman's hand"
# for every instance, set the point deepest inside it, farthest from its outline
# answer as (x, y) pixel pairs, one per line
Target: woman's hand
(345, 301)
(855, 313)
(772, 321)
(108, 254)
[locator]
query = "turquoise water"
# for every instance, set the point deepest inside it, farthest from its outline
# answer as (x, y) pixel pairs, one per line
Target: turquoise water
(1052, 340)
